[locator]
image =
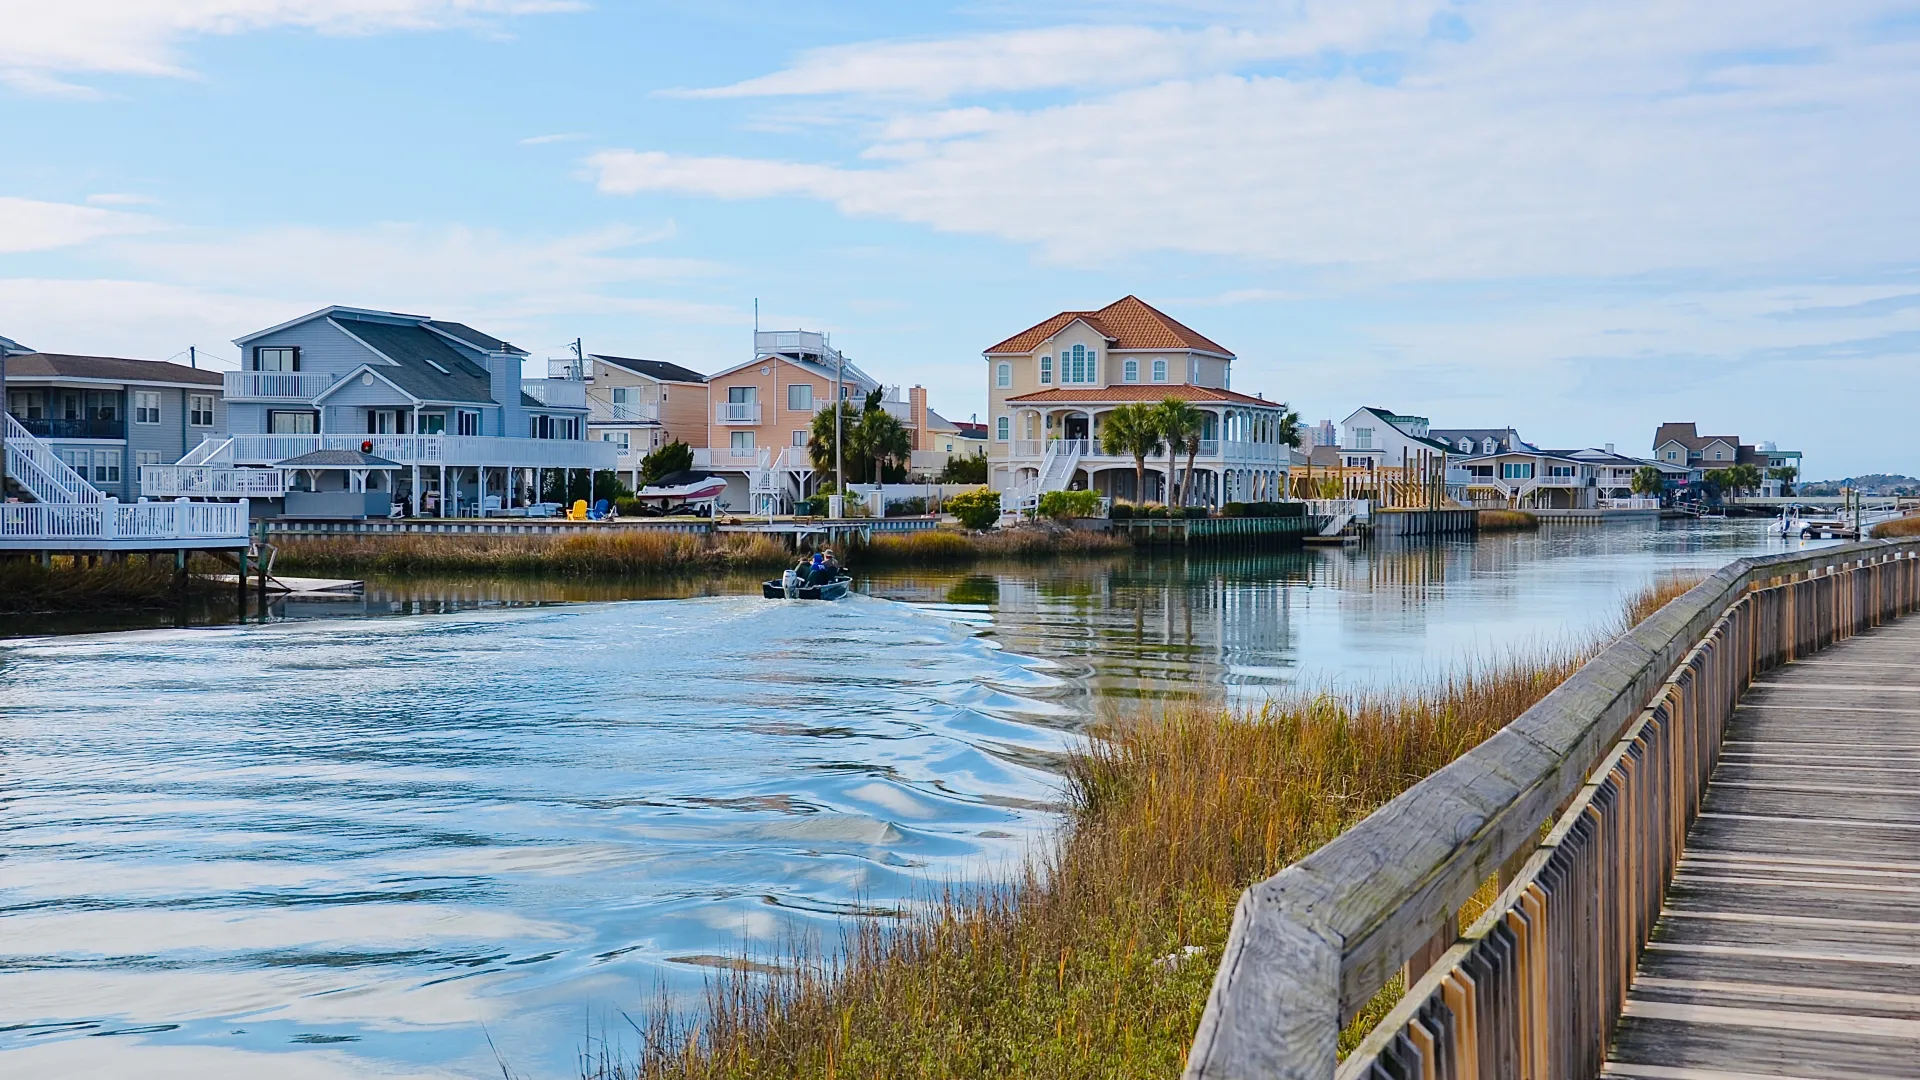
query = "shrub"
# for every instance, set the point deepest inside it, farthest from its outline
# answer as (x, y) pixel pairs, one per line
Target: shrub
(1122, 511)
(674, 457)
(1198, 512)
(976, 509)
(966, 469)
(1070, 504)
(912, 507)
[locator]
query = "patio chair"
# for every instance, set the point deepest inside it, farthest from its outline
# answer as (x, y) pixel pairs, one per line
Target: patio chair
(578, 512)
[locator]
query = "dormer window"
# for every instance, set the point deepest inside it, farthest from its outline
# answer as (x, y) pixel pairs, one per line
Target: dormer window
(1466, 445)
(1489, 446)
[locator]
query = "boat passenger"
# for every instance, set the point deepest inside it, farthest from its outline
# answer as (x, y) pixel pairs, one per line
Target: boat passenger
(817, 570)
(833, 564)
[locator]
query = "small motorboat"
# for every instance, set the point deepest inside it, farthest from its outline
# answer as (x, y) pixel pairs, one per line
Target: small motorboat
(789, 588)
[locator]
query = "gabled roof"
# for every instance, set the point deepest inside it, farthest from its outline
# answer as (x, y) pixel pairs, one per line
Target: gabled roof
(1392, 419)
(1127, 323)
(424, 364)
(936, 422)
(325, 312)
(106, 369)
(483, 342)
(337, 459)
(849, 374)
(652, 369)
(1102, 395)
(10, 347)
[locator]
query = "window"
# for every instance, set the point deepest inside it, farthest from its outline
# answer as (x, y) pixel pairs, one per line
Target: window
(1193, 369)
(1466, 445)
(200, 410)
(433, 423)
(1559, 470)
(1003, 375)
(1130, 371)
(276, 358)
(623, 395)
(106, 466)
(149, 457)
(1489, 446)
(800, 397)
(742, 440)
(1003, 429)
(146, 406)
(1046, 370)
(467, 423)
(1718, 456)
(1159, 371)
(799, 437)
(103, 405)
(740, 395)
(1226, 378)
(1363, 438)
(293, 423)
(617, 438)
(1078, 365)
(1673, 455)
(1516, 470)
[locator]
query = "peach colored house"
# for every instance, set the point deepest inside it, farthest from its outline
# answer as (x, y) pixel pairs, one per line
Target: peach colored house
(1050, 387)
(639, 405)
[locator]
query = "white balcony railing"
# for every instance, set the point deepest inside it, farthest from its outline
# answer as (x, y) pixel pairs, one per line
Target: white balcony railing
(556, 393)
(115, 521)
(275, 385)
(624, 412)
(433, 450)
(570, 368)
(211, 482)
(736, 412)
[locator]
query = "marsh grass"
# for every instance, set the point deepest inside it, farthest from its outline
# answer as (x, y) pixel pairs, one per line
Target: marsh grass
(1900, 526)
(26, 587)
(1507, 520)
(935, 546)
(1095, 960)
(609, 552)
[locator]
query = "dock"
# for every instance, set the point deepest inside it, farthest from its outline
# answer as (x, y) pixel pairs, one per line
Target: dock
(1789, 944)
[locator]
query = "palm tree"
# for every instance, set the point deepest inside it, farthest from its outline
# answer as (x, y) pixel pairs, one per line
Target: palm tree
(1180, 424)
(1289, 427)
(820, 438)
(1133, 430)
(1786, 474)
(1648, 480)
(881, 438)
(1744, 477)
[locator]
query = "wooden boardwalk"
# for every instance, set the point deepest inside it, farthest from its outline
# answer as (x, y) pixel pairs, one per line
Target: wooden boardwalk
(1789, 945)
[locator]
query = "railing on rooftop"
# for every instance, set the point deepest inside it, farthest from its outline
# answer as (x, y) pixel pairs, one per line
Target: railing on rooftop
(1617, 757)
(556, 393)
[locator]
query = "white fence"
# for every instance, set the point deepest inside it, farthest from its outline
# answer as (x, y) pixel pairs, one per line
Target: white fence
(111, 523)
(274, 385)
(212, 482)
(461, 450)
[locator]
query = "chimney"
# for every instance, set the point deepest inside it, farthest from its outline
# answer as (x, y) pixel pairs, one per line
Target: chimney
(917, 415)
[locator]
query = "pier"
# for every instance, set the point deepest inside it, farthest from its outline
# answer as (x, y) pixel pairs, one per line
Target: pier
(1685, 876)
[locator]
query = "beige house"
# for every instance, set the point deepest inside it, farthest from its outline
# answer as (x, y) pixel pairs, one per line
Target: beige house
(639, 405)
(1050, 387)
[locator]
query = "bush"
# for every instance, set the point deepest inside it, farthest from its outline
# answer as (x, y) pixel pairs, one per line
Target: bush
(1264, 509)
(1198, 512)
(1121, 511)
(967, 469)
(912, 507)
(976, 509)
(1070, 504)
(674, 457)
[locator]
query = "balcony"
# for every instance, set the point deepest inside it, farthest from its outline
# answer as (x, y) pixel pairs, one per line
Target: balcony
(432, 450)
(737, 412)
(570, 368)
(624, 412)
(48, 428)
(556, 393)
(275, 385)
(211, 482)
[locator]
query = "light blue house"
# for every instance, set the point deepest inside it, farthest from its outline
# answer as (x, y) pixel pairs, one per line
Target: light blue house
(441, 400)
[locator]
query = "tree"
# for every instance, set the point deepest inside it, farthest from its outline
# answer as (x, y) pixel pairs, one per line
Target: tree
(674, 457)
(1648, 481)
(1718, 480)
(1180, 424)
(871, 439)
(976, 509)
(964, 469)
(1743, 477)
(1786, 474)
(1133, 430)
(820, 440)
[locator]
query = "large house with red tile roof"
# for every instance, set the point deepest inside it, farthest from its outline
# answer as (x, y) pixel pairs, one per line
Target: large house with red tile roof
(1050, 387)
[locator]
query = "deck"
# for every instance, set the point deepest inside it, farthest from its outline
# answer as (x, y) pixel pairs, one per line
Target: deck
(1789, 945)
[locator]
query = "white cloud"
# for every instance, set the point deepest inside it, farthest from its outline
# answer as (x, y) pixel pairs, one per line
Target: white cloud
(1587, 139)
(562, 137)
(140, 37)
(31, 225)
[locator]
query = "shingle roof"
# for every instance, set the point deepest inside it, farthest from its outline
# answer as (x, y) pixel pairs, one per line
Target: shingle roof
(653, 369)
(416, 351)
(10, 347)
(108, 368)
(1127, 323)
(1141, 392)
(483, 342)
(337, 459)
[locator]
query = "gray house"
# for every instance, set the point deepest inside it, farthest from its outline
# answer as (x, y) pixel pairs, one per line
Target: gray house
(445, 403)
(105, 416)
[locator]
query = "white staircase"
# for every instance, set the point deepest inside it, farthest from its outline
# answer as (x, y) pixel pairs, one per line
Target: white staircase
(33, 465)
(209, 452)
(1056, 472)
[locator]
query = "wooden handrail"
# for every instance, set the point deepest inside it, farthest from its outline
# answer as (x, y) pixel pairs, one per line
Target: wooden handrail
(1312, 944)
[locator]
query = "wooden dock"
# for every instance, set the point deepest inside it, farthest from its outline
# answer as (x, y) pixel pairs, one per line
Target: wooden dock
(1789, 944)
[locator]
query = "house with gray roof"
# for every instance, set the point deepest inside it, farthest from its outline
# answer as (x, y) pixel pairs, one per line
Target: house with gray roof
(106, 416)
(638, 405)
(445, 402)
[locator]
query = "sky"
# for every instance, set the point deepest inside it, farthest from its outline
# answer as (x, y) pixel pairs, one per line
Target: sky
(1580, 219)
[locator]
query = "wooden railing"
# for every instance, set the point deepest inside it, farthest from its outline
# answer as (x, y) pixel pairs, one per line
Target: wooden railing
(1617, 758)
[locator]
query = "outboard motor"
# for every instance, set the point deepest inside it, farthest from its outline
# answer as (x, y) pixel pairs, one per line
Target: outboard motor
(790, 583)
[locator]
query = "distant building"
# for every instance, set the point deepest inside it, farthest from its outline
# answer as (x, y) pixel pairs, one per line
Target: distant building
(638, 405)
(1681, 444)
(1464, 441)
(106, 416)
(1373, 438)
(1322, 434)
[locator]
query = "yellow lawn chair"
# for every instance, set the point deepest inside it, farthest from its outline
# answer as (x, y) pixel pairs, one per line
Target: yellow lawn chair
(578, 511)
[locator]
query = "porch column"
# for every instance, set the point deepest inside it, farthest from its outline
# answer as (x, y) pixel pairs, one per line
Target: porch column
(480, 483)
(443, 491)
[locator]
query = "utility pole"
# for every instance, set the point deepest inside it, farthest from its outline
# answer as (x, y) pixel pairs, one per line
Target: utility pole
(579, 359)
(193, 357)
(839, 465)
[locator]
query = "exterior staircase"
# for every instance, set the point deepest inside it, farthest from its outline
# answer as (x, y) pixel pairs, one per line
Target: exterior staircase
(68, 513)
(40, 473)
(1056, 473)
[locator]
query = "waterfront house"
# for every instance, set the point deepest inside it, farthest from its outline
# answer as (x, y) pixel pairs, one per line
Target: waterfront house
(1050, 386)
(446, 403)
(1681, 444)
(638, 405)
(1465, 441)
(1373, 438)
(106, 416)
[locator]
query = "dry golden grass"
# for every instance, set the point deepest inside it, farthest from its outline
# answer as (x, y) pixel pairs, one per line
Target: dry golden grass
(1096, 961)
(134, 584)
(601, 552)
(1507, 520)
(1901, 526)
(946, 546)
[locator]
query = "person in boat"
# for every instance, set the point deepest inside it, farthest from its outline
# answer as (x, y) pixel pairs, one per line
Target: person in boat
(832, 564)
(817, 572)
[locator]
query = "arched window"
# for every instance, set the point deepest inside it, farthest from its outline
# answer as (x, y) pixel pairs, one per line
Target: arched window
(1046, 370)
(1159, 371)
(1131, 370)
(1003, 376)
(1003, 429)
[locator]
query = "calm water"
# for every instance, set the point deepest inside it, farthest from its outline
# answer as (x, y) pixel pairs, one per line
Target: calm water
(458, 823)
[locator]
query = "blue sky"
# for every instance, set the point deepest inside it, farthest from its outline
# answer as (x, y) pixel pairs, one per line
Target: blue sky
(1581, 219)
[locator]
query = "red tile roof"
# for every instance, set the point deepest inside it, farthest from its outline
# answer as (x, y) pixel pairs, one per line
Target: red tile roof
(1138, 392)
(1127, 323)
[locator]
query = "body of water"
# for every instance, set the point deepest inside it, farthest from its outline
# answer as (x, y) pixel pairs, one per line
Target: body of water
(455, 824)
